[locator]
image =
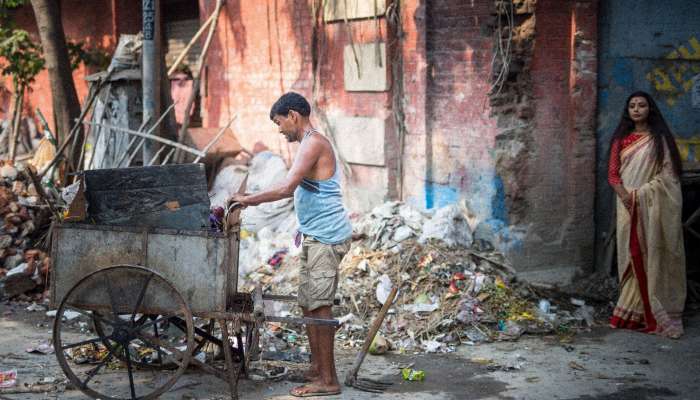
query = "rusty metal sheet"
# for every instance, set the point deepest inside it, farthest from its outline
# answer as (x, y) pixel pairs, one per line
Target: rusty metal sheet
(196, 263)
(79, 252)
(193, 264)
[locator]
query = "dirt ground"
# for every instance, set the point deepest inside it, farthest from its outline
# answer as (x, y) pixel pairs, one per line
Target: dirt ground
(600, 364)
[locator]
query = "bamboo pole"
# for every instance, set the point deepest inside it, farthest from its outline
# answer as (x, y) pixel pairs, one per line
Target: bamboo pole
(167, 156)
(187, 48)
(155, 157)
(216, 138)
(197, 79)
(149, 136)
(131, 142)
(76, 128)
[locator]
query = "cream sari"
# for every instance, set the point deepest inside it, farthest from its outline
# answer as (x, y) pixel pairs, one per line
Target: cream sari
(651, 256)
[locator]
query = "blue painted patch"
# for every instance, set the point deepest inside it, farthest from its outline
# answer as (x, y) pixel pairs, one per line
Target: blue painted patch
(622, 73)
(437, 195)
(498, 201)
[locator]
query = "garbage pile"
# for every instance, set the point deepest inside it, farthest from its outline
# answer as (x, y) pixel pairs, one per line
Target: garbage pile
(450, 293)
(267, 230)
(23, 268)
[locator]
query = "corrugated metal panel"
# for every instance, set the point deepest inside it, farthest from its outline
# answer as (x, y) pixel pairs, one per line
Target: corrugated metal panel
(652, 46)
(177, 35)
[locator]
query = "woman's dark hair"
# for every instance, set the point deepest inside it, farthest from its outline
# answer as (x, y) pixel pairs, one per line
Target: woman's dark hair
(288, 102)
(658, 129)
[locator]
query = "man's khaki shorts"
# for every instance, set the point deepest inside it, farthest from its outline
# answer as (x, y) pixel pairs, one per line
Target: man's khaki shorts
(318, 275)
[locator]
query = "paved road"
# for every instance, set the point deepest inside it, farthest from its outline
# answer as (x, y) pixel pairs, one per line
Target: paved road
(602, 364)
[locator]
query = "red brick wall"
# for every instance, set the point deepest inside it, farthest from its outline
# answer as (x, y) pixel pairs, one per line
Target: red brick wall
(561, 182)
(87, 21)
(458, 129)
(262, 50)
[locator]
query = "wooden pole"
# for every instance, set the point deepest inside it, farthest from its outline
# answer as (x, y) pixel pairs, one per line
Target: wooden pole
(131, 142)
(216, 138)
(76, 128)
(197, 79)
(149, 136)
(187, 48)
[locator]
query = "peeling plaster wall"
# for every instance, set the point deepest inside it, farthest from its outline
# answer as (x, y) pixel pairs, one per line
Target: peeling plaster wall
(523, 159)
(452, 158)
(558, 223)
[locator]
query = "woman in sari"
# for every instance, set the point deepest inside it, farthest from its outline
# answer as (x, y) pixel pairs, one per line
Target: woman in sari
(644, 171)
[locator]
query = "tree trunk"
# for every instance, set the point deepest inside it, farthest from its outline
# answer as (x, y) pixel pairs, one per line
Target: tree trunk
(65, 99)
(16, 119)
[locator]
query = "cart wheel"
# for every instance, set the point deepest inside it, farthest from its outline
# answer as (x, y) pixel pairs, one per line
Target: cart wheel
(203, 332)
(250, 351)
(124, 300)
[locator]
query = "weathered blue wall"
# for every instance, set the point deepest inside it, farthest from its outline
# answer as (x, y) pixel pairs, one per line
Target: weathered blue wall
(651, 45)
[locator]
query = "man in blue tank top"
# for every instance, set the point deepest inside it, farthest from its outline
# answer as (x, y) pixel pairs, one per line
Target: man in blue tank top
(314, 181)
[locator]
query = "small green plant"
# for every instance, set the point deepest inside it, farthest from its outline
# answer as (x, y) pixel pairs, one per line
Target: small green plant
(20, 57)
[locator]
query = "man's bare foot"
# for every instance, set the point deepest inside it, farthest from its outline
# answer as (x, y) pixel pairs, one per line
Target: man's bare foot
(315, 389)
(311, 375)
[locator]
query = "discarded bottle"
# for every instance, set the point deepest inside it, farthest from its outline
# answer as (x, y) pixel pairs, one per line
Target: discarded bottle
(544, 306)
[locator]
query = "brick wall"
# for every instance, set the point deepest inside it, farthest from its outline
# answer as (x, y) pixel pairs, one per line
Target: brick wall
(523, 162)
(561, 181)
(537, 201)
(264, 49)
(89, 21)
(458, 130)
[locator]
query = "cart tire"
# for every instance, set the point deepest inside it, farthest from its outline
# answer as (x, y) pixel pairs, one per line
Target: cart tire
(203, 325)
(251, 350)
(107, 296)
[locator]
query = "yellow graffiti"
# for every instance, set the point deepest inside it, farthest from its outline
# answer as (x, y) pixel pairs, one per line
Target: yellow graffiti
(695, 45)
(674, 81)
(689, 149)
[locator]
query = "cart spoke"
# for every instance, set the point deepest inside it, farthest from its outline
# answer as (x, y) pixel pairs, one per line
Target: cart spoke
(131, 375)
(84, 342)
(141, 295)
(154, 322)
(91, 373)
(112, 300)
(158, 343)
(91, 315)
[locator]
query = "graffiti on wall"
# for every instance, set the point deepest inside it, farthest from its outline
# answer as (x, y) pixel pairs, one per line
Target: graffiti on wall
(678, 74)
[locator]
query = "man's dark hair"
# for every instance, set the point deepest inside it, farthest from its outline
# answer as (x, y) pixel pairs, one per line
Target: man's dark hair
(288, 102)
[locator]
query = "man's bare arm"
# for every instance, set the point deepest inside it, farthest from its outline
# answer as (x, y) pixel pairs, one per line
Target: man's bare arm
(309, 153)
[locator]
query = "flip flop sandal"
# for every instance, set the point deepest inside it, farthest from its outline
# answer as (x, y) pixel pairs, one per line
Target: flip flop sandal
(312, 394)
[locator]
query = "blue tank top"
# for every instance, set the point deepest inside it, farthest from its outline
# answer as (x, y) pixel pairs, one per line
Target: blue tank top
(320, 210)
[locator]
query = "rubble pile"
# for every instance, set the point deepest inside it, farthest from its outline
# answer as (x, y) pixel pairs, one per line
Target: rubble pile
(451, 292)
(23, 268)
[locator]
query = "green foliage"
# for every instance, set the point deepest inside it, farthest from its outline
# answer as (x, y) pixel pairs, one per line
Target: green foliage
(78, 53)
(20, 57)
(11, 3)
(6, 6)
